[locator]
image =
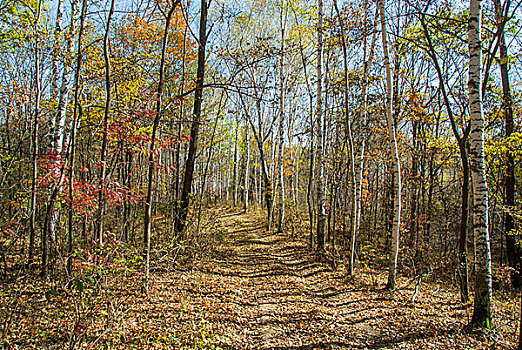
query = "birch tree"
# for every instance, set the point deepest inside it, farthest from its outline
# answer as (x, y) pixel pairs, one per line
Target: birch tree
(57, 141)
(246, 187)
(320, 188)
(482, 312)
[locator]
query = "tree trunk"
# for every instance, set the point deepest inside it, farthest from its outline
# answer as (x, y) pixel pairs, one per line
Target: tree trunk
(34, 156)
(311, 170)
(310, 187)
(103, 157)
(54, 57)
(235, 169)
(367, 59)
(152, 149)
(246, 190)
(320, 190)
(188, 178)
(282, 96)
(269, 199)
(72, 145)
(60, 138)
(462, 268)
(351, 148)
(482, 313)
(394, 252)
(463, 237)
(181, 109)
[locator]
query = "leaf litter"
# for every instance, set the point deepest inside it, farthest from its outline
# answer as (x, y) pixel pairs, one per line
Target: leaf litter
(257, 290)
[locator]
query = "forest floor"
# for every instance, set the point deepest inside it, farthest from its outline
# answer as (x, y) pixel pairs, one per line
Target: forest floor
(258, 290)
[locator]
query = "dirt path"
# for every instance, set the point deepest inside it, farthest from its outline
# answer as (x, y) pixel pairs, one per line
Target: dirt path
(264, 291)
(286, 302)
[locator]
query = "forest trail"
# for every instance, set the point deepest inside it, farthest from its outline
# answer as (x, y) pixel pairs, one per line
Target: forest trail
(262, 290)
(284, 298)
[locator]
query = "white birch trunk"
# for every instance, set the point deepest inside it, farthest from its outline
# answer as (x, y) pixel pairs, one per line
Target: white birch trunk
(59, 123)
(60, 138)
(482, 313)
(235, 174)
(282, 97)
(247, 168)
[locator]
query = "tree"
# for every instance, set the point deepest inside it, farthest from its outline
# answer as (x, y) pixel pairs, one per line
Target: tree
(261, 137)
(34, 158)
(319, 186)
(351, 148)
(246, 179)
(392, 140)
(462, 142)
(282, 106)
(181, 217)
(105, 126)
(152, 147)
(482, 312)
(72, 145)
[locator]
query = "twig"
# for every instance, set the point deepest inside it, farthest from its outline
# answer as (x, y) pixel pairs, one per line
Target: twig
(417, 288)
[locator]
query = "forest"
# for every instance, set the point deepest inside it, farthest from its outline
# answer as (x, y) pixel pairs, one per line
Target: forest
(260, 174)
